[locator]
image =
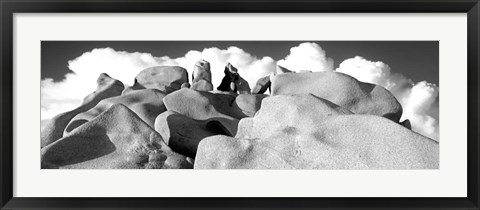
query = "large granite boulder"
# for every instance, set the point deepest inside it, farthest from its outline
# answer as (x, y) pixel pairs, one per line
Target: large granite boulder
(183, 134)
(341, 89)
(263, 84)
(201, 71)
(201, 76)
(248, 104)
(202, 85)
(146, 103)
(106, 87)
(163, 78)
(117, 138)
(307, 132)
(201, 105)
(233, 82)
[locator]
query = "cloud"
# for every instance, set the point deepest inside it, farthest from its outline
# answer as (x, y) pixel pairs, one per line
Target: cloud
(59, 97)
(417, 104)
(417, 99)
(307, 56)
(366, 71)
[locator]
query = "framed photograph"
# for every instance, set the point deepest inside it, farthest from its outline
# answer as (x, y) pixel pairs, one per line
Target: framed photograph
(239, 105)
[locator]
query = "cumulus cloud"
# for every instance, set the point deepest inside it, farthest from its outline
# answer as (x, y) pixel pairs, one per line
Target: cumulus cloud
(417, 99)
(307, 56)
(58, 97)
(417, 104)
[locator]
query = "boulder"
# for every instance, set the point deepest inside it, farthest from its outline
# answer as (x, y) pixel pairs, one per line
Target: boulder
(200, 105)
(163, 78)
(117, 138)
(146, 103)
(233, 82)
(202, 85)
(308, 132)
(248, 104)
(262, 85)
(201, 71)
(183, 134)
(341, 89)
(106, 87)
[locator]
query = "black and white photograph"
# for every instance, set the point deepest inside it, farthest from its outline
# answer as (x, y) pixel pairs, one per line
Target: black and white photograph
(299, 104)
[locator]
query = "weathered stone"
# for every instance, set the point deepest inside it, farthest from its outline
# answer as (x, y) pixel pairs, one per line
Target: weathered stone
(146, 103)
(200, 105)
(341, 89)
(117, 138)
(106, 87)
(262, 85)
(202, 85)
(201, 71)
(183, 134)
(307, 132)
(233, 82)
(163, 78)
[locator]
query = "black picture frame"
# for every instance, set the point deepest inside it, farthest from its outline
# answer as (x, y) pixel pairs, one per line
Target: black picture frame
(9, 7)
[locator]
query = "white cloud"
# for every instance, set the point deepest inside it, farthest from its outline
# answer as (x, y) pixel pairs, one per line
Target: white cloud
(417, 99)
(307, 56)
(365, 70)
(417, 105)
(58, 97)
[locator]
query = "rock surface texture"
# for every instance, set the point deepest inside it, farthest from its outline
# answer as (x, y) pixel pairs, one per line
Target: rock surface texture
(233, 82)
(319, 120)
(341, 89)
(117, 138)
(313, 133)
(54, 128)
(201, 76)
(164, 78)
(146, 103)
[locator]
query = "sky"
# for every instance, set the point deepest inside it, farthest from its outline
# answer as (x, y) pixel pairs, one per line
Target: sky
(409, 69)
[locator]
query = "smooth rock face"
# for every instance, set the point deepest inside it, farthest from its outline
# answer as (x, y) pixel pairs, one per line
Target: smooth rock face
(248, 104)
(262, 85)
(146, 103)
(183, 134)
(233, 82)
(202, 85)
(201, 71)
(201, 105)
(201, 76)
(307, 132)
(106, 87)
(163, 78)
(117, 138)
(341, 89)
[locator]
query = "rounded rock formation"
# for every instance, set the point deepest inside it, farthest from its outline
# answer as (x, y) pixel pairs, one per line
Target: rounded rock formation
(307, 132)
(341, 89)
